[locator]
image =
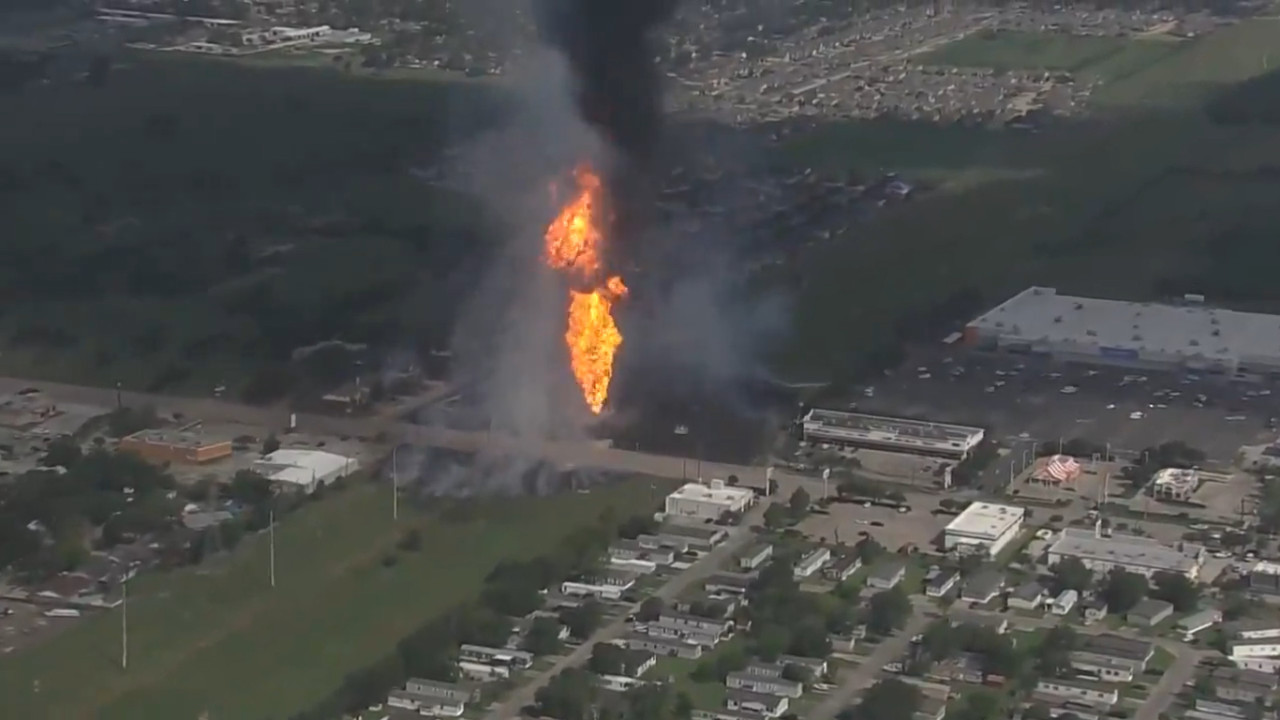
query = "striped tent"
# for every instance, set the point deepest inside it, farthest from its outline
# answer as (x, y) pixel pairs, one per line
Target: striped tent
(1058, 469)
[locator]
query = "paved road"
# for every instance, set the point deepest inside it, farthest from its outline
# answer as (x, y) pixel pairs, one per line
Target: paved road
(707, 565)
(1172, 682)
(869, 671)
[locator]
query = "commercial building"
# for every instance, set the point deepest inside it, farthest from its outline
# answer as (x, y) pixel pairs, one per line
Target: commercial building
(1129, 552)
(305, 470)
(1192, 336)
(708, 502)
(899, 435)
(1174, 483)
(983, 528)
(188, 445)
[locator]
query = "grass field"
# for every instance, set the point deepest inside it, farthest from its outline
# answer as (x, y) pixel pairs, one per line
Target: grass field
(1104, 58)
(194, 217)
(1116, 205)
(225, 642)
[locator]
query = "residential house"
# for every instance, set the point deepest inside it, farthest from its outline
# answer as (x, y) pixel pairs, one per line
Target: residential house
(677, 543)
(766, 704)
(685, 622)
(842, 643)
(506, 657)
(755, 556)
(1095, 609)
(1198, 621)
(961, 667)
(429, 697)
(665, 647)
(700, 537)
(1149, 613)
(811, 563)
(723, 605)
(726, 714)
(842, 568)
(943, 582)
(1105, 669)
(760, 679)
(635, 663)
(983, 587)
(1028, 596)
(604, 585)
(1211, 709)
(629, 550)
(728, 583)
(887, 574)
(814, 667)
(1268, 648)
(1247, 686)
(1077, 690)
(1254, 629)
(1065, 601)
(1107, 645)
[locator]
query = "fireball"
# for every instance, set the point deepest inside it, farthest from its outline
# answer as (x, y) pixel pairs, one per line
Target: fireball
(573, 244)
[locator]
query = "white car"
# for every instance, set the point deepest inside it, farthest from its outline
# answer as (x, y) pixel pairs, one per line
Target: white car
(1222, 554)
(1136, 415)
(1069, 390)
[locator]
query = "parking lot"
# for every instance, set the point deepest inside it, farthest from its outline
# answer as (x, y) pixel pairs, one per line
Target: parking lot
(1035, 399)
(890, 528)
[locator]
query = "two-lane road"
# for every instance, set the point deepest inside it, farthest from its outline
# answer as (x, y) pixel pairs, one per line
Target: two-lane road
(868, 672)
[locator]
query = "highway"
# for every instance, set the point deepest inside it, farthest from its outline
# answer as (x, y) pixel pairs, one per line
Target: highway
(704, 567)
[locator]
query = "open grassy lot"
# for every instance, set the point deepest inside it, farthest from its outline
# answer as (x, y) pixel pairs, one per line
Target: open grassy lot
(1105, 58)
(220, 639)
(191, 217)
(1127, 204)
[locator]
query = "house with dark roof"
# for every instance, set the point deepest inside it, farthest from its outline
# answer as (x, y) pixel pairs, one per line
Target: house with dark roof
(983, 587)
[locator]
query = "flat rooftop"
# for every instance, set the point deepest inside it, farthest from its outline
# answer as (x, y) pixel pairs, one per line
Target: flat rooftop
(193, 438)
(1041, 314)
(896, 427)
(715, 493)
(1129, 550)
(986, 521)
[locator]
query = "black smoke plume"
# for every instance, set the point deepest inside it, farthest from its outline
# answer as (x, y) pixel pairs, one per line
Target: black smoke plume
(609, 50)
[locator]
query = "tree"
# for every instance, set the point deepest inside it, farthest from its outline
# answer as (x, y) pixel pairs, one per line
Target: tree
(62, 452)
(411, 541)
(1071, 574)
(979, 705)
(889, 699)
(583, 620)
(1176, 589)
(650, 609)
(271, 444)
(1054, 657)
(776, 517)
(249, 488)
(940, 640)
(569, 696)
(888, 611)
(1122, 590)
(608, 659)
(869, 550)
(799, 503)
(543, 636)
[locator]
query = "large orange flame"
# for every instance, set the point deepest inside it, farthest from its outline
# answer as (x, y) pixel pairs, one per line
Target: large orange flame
(573, 243)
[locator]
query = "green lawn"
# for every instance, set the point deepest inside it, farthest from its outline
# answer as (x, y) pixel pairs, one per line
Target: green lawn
(225, 642)
(705, 695)
(1105, 58)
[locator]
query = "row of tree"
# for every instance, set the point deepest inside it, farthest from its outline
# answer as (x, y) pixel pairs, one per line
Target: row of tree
(1122, 590)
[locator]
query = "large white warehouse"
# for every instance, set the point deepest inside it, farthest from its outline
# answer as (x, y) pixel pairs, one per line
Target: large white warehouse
(900, 435)
(1132, 334)
(305, 469)
(983, 528)
(708, 502)
(1133, 553)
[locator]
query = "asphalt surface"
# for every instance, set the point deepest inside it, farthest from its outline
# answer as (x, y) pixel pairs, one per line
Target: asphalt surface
(867, 673)
(704, 567)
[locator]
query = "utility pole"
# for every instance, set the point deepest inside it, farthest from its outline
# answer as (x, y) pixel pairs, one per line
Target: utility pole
(119, 401)
(395, 483)
(271, 536)
(124, 625)
(826, 479)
